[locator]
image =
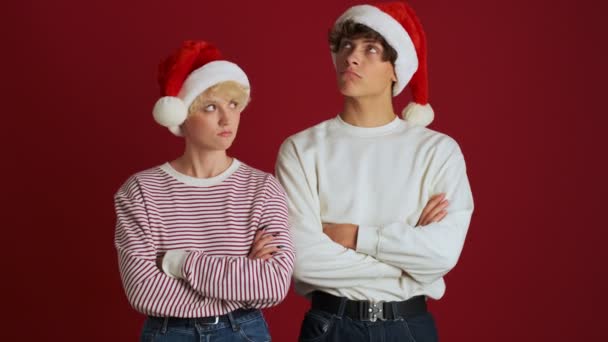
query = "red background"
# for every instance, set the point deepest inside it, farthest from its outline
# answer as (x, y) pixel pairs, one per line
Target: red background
(517, 83)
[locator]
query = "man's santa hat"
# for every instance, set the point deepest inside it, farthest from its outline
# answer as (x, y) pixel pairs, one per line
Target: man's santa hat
(192, 69)
(398, 24)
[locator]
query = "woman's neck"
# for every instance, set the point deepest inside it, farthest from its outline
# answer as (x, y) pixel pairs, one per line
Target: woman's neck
(202, 163)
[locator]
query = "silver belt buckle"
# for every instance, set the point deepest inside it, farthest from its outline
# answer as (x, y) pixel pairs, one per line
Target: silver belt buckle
(375, 311)
(217, 320)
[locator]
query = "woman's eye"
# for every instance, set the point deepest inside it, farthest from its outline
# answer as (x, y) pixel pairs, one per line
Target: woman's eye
(233, 105)
(210, 108)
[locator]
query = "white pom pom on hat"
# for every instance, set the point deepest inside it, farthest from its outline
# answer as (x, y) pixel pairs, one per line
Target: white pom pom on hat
(170, 111)
(417, 114)
(398, 24)
(192, 69)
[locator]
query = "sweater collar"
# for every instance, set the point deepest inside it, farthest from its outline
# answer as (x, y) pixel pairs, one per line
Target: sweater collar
(200, 182)
(370, 131)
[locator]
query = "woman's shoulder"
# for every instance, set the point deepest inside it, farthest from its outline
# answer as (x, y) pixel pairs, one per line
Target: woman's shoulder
(259, 178)
(150, 176)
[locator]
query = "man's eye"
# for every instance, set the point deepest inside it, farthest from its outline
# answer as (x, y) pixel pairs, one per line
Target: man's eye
(373, 49)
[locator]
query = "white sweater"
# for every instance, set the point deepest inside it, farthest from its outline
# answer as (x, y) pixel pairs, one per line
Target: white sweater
(380, 179)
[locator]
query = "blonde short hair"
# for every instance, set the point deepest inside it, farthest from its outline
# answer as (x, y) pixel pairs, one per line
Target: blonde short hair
(229, 90)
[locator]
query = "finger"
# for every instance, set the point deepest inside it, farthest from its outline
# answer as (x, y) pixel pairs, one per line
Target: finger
(259, 233)
(432, 205)
(261, 243)
(433, 201)
(268, 256)
(257, 236)
(424, 217)
(265, 251)
(436, 210)
(440, 215)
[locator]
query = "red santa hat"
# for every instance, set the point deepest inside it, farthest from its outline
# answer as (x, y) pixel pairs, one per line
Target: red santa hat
(193, 68)
(398, 24)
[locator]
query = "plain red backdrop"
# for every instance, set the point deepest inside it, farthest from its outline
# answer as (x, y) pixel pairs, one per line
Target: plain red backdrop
(519, 84)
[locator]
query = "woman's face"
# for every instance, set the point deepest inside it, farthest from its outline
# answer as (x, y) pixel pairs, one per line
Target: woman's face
(213, 124)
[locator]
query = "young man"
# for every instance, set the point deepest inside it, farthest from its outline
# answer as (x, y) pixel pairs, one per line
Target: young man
(203, 240)
(368, 192)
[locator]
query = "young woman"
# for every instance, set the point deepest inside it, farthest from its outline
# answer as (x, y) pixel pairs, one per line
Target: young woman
(203, 240)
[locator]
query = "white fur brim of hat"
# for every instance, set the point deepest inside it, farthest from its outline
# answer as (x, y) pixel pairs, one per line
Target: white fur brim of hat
(395, 35)
(171, 111)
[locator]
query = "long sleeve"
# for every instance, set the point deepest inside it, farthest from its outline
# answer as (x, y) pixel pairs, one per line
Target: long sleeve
(427, 253)
(146, 287)
(320, 262)
(259, 283)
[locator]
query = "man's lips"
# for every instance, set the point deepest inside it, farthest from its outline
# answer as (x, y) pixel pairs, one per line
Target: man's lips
(350, 72)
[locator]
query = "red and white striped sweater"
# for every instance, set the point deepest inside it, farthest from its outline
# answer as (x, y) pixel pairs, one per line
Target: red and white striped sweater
(216, 219)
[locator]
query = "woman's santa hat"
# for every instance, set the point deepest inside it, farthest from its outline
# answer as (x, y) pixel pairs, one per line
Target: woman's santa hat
(398, 24)
(193, 68)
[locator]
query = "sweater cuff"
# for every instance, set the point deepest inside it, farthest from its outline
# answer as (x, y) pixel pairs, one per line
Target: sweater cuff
(173, 262)
(367, 240)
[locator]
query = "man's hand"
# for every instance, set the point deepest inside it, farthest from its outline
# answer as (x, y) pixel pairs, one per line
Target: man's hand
(344, 234)
(260, 248)
(434, 211)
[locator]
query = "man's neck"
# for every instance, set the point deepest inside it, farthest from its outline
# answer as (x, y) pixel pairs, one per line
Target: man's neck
(368, 111)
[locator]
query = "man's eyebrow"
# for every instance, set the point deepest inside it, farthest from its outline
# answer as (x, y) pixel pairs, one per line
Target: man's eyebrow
(370, 40)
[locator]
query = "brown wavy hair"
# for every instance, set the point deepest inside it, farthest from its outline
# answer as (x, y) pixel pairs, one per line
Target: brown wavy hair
(352, 30)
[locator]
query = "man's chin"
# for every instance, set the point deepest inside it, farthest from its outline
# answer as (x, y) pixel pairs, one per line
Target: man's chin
(349, 91)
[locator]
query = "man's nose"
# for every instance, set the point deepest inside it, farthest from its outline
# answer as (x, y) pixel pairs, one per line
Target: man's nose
(352, 58)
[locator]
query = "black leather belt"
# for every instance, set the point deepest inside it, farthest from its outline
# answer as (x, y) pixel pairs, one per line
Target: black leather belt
(363, 310)
(176, 321)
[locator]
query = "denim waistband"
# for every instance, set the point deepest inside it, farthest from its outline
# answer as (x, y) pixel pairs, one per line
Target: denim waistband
(231, 319)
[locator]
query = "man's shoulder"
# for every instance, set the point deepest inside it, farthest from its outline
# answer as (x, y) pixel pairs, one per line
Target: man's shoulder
(312, 133)
(433, 139)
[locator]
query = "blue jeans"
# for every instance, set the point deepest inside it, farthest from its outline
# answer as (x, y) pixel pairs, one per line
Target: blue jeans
(240, 325)
(326, 327)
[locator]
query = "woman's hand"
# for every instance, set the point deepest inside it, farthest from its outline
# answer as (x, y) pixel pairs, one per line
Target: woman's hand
(261, 248)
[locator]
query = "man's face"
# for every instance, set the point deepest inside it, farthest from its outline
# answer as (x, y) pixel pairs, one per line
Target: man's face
(360, 69)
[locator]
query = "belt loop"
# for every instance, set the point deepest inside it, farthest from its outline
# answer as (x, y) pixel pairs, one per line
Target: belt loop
(362, 311)
(395, 308)
(163, 328)
(233, 322)
(342, 306)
